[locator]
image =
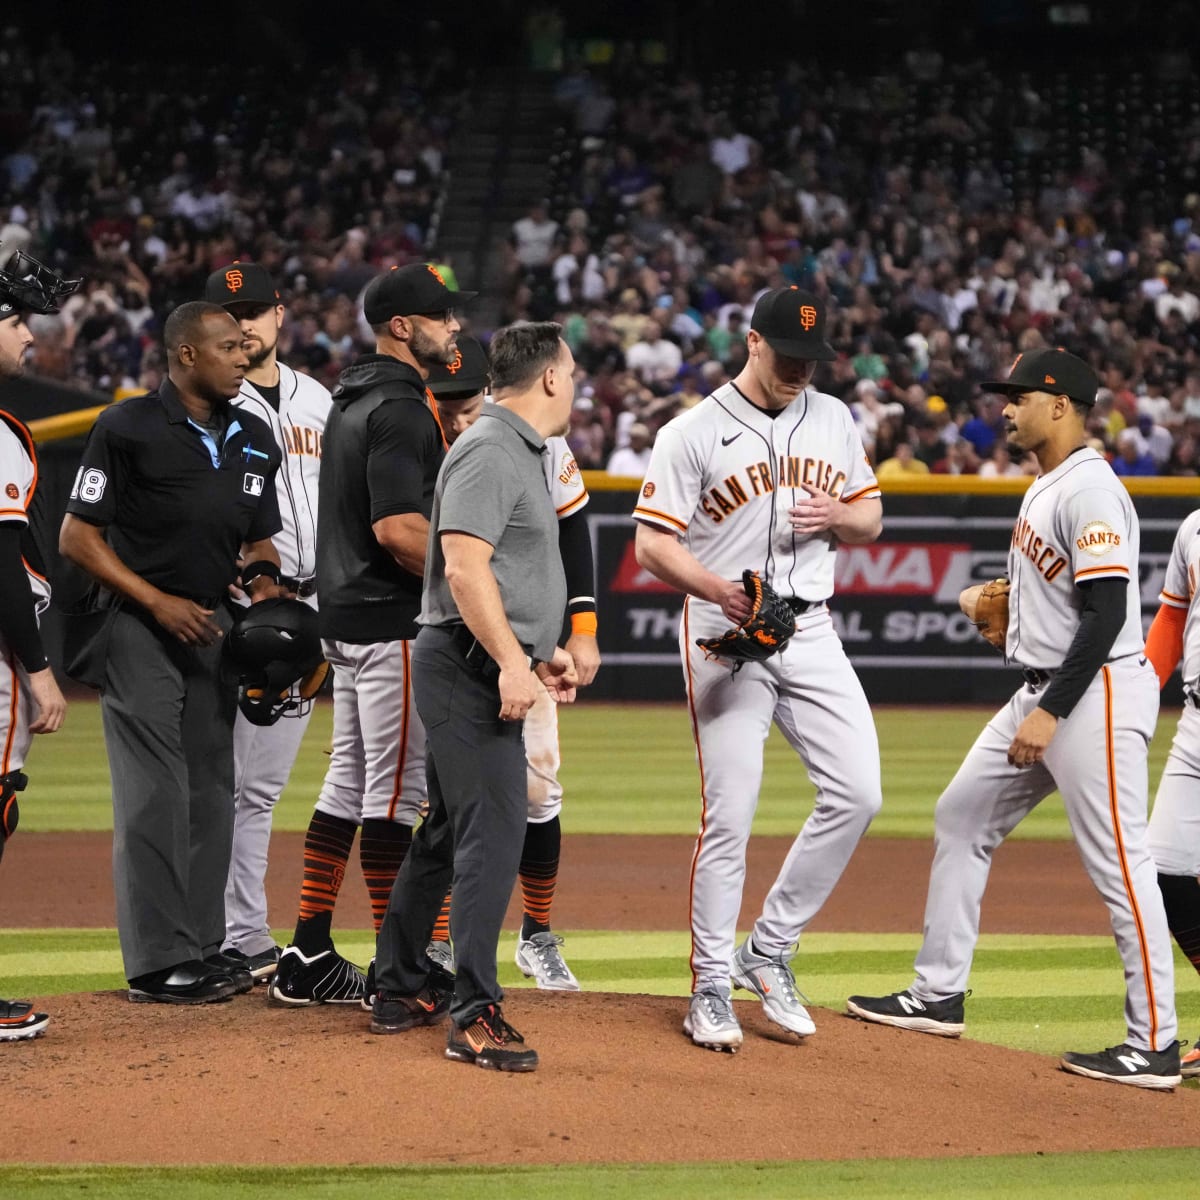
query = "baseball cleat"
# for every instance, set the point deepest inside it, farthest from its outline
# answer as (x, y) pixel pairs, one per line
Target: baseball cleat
(772, 981)
(326, 978)
(1158, 1069)
(1189, 1064)
(489, 1041)
(942, 1018)
(261, 966)
(19, 1023)
(393, 1013)
(710, 1022)
(235, 968)
(539, 958)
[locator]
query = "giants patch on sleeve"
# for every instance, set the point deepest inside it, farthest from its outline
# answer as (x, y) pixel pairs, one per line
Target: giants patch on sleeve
(1097, 538)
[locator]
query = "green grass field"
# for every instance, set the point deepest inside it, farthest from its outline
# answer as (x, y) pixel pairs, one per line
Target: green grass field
(626, 769)
(632, 770)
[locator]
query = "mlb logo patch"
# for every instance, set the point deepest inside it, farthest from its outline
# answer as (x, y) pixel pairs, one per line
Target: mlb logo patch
(252, 485)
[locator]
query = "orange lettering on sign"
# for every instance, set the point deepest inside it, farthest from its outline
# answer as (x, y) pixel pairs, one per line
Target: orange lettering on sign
(808, 316)
(233, 279)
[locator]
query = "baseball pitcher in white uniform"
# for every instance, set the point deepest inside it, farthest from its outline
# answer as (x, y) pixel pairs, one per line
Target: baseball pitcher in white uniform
(460, 391)
(295, 406)
(1081, 723)
(1175, 821)
(766, 474)
(30, 699)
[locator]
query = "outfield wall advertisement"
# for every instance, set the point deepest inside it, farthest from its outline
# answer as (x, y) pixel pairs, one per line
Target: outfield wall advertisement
(896, 604)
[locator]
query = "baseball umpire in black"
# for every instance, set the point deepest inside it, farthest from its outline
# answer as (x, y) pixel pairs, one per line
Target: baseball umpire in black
(492, 609)
(173, 487)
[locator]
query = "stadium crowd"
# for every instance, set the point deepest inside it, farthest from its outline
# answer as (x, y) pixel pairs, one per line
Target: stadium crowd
(951, 215)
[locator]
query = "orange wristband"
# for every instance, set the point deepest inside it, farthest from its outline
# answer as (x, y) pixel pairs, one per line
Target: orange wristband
(583, 623)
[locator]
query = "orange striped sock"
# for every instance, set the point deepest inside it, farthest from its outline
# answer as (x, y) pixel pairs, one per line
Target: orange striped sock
(539, 874)
(382, 851)
(326, 851)
(441, 930)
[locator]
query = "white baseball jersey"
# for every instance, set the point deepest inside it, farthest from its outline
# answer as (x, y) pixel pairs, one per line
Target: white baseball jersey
(1179, 591)
(264, 755)
(724, 474)
(564, 480)
(18, 480)
(1174, 832)
(299, 427)
(1076, 523)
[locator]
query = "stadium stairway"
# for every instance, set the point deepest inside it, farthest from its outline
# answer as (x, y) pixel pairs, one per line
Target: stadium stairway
(498, 169)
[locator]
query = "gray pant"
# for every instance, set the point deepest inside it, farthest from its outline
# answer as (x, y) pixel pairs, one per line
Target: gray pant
(472, 837)
(168, 728)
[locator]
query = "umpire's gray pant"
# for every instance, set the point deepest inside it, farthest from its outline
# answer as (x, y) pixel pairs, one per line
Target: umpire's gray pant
(168, 727)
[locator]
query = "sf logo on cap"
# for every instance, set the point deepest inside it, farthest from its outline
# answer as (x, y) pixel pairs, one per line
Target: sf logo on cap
(453, 367)
(234, 279)
(808, 316)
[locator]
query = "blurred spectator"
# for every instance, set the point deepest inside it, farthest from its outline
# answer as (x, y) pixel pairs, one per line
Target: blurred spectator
(999, 464)
(902, 463)
(632, 460)
(1132, 458)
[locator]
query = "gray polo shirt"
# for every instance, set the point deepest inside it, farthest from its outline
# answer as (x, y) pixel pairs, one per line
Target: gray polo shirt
(492, 486)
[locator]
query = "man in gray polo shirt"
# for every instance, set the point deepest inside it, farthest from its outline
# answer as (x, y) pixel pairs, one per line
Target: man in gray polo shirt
(493, 607)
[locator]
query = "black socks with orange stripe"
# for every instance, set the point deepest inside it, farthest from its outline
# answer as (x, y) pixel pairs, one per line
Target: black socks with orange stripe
(1181, 899)
(539, 874)
(382, 851)
(326, 851)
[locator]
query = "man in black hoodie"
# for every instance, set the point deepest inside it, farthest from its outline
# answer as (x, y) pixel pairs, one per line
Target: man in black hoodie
(382, 449)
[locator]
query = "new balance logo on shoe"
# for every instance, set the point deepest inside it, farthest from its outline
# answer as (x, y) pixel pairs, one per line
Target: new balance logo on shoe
(1132, 1062)
(910, 1004)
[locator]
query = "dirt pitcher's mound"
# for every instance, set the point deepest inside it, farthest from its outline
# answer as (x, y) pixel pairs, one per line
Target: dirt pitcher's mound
(245, 1084)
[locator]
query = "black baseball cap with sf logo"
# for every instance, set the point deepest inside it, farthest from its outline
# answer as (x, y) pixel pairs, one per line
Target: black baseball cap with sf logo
(793, 323)
(1052, 370)
(241, 283)
(468, 375)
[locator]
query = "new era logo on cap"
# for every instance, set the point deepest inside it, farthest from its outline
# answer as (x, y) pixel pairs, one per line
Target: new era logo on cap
(1049, 369)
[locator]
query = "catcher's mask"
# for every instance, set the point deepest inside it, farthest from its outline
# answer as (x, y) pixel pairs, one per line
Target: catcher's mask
(27, 286)
(274, 652)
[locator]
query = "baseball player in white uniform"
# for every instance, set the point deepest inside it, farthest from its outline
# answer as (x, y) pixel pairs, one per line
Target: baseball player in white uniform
(460, 390)
(1081, 723)
(765, 473)
(1174, 831)
(295, 406)
(30, 699)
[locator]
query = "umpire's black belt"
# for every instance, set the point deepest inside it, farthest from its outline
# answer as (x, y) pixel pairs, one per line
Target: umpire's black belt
(302, 587)
(800, 607)
(1036, 678)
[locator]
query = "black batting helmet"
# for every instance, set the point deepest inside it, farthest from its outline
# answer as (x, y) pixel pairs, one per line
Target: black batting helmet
(27, 286)
(274, 650)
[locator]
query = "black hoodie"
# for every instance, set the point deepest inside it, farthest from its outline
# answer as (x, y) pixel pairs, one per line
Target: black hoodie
(381, 454)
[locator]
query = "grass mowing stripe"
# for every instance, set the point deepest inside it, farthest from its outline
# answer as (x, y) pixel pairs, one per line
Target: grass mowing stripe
(606, 793)
(1161, 1174)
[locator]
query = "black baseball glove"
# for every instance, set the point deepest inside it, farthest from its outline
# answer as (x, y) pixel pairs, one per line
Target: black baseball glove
(764, 632)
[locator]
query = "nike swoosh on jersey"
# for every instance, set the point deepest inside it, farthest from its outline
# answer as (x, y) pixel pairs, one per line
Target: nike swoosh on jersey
(730, 440)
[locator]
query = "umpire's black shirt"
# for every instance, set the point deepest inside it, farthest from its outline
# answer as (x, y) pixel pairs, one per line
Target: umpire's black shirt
(177, 501)
(380, 458)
